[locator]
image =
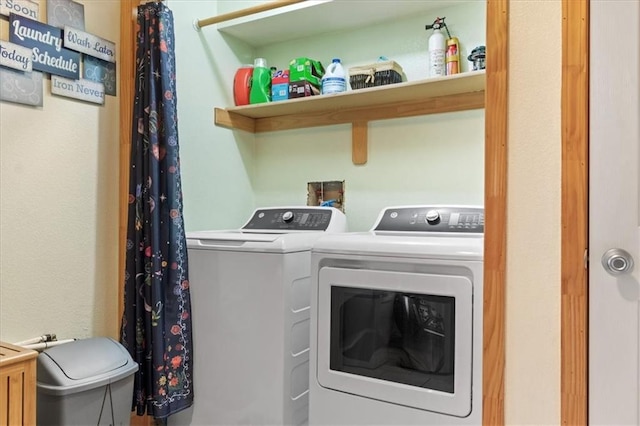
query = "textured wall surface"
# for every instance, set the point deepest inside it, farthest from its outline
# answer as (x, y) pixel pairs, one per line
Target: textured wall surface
(59, 209)
(533, 242)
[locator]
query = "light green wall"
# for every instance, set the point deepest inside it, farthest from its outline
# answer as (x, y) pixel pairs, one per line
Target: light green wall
(216, 162)
(427, 159)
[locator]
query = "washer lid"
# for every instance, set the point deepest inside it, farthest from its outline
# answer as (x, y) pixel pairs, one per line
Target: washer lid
(251, 241)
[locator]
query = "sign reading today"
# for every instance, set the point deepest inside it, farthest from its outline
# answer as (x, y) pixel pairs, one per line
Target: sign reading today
(45, 41)
(90, 44)
(15, 56)
(85, 90)
(26, 8)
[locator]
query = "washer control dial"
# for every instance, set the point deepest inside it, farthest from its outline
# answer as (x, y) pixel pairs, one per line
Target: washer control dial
(433, 217)
(287, 216)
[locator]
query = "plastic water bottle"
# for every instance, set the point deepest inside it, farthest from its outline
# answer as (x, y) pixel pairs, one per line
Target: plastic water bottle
(260, 82)
(333, 80)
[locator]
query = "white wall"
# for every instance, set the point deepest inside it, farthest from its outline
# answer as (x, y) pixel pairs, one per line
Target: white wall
(532, 388)
(59, 208)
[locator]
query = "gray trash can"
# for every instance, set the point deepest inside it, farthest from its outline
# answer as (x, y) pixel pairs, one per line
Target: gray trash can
(86, 382)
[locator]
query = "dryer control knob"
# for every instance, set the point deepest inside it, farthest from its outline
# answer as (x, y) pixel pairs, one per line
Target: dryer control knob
(287, 216)
(433, 217)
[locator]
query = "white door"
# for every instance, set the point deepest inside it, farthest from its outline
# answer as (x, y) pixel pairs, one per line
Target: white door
(614, 216)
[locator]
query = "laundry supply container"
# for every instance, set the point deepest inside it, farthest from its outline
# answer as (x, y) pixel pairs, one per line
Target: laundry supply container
(86, 382)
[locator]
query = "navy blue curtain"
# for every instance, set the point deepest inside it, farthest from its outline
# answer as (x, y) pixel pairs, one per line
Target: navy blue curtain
(156, 324)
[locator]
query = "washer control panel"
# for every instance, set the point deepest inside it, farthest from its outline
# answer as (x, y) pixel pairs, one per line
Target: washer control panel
(432, 219)
(290, 219)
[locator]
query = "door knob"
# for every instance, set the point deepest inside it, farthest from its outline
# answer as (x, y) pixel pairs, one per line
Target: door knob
(617, 261)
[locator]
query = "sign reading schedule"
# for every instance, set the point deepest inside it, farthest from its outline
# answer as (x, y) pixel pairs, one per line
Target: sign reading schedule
(46, 44)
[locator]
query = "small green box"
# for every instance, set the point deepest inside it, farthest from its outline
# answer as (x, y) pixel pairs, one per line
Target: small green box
(306, 69)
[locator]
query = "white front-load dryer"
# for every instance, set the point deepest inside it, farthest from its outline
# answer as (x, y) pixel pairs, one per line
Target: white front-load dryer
(250, 296)
(396, 320)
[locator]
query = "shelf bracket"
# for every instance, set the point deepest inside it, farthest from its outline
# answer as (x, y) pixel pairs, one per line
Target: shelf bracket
(359, 142)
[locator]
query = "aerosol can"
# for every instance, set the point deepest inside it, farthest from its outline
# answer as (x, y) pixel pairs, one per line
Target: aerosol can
(437, 49)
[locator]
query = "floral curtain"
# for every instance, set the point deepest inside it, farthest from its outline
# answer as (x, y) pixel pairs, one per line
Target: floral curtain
(156, 324)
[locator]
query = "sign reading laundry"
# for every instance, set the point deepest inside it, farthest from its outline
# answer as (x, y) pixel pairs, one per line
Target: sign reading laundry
(45, 41)
(90, 44)
(26, 8)
(85, 90)
(15, 56)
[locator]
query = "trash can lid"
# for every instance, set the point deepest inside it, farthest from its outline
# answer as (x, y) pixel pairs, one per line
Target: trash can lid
(84, 364)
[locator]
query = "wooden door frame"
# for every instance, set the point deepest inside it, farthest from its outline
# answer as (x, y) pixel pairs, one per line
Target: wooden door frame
(575, 210)
(496, 113)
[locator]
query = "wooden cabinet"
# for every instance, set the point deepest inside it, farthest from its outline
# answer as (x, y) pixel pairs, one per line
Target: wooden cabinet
(17, 385)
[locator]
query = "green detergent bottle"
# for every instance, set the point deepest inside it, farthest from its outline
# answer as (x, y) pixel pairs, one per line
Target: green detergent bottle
(260, 82)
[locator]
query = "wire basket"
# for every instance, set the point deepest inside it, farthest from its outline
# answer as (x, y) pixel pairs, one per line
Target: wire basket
(378, 74)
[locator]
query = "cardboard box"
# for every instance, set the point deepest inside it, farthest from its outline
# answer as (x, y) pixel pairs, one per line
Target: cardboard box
(280, 85)
(306, 69)
(302, 89)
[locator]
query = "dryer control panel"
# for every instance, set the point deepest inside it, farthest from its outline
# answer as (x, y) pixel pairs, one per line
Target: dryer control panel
(460, 219)
(292, 219)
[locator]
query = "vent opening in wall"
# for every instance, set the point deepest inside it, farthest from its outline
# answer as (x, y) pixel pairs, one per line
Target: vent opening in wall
(327, 193)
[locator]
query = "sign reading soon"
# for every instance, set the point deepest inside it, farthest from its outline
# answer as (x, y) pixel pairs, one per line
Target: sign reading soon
(20, 7)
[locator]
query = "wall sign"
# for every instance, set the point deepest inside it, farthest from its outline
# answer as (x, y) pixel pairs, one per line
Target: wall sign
(46, 44)
(15, 56)
(102, 71)
(26, 8)
(90, 44)
(21, 87)
(85, 90)
(65, 12)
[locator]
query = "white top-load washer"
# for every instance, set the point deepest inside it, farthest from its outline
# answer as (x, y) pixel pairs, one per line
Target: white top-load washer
(250, 291)
(396, 320)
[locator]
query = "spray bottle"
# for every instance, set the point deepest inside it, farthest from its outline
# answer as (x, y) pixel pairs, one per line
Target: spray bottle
(437, 48)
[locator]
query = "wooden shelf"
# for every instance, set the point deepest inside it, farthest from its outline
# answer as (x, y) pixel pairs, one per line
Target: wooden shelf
(316, 17)
(430, 96)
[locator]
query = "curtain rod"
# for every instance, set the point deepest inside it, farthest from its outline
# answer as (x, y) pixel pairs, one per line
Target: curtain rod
(199, 23)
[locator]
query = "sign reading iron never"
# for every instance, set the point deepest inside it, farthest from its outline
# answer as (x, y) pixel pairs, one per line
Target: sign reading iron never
(45, 42)
(90, 44)
(85, 90)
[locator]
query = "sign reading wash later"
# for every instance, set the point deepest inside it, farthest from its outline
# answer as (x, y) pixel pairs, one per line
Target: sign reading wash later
(90, 44)
(46, 43)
